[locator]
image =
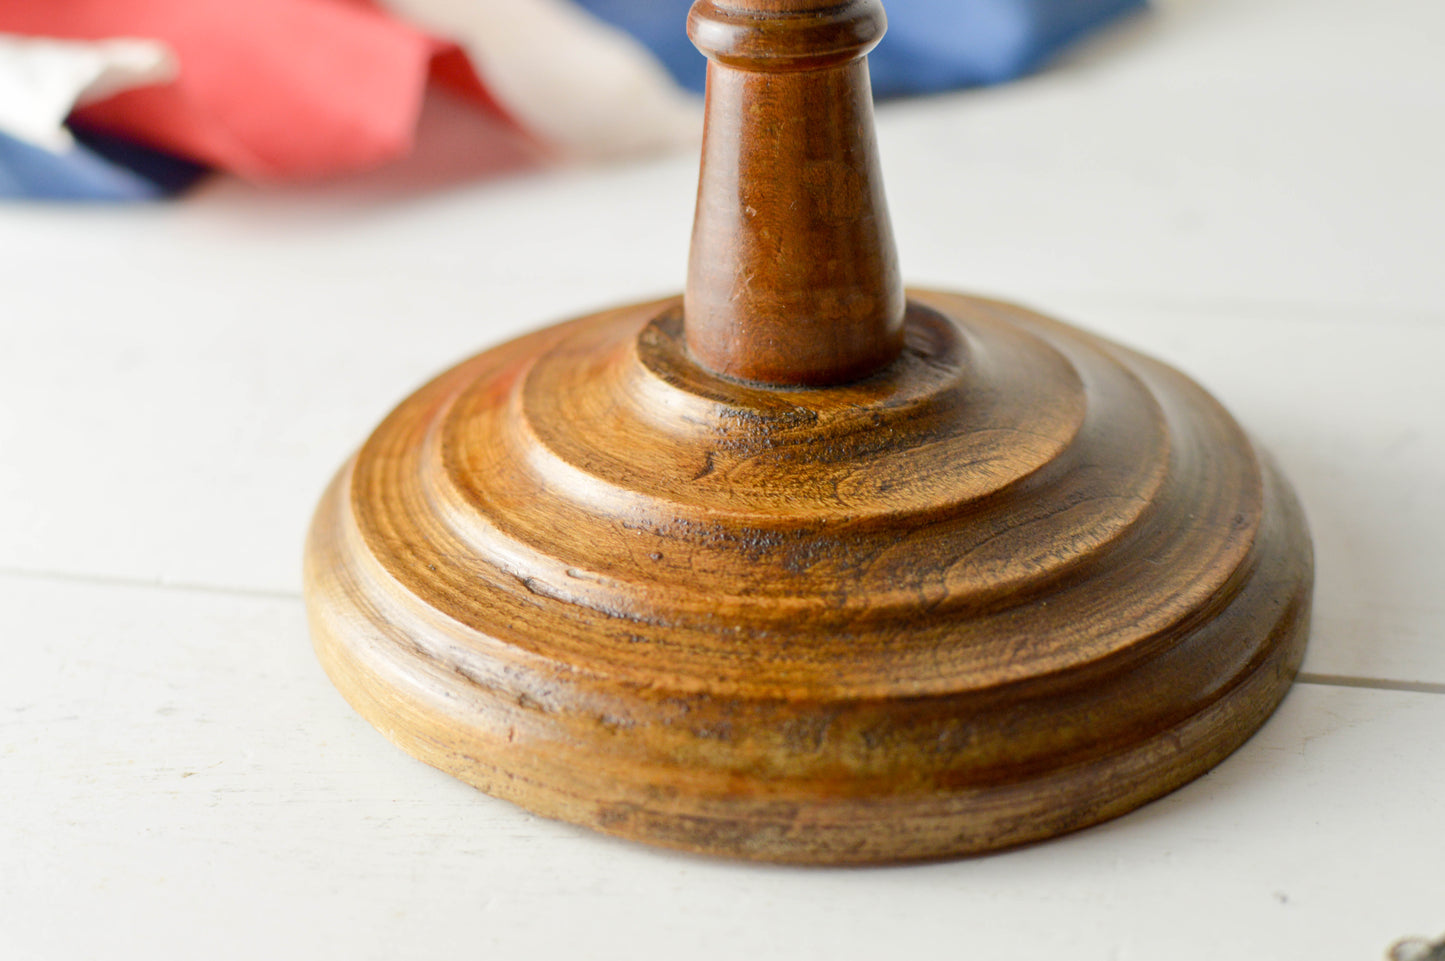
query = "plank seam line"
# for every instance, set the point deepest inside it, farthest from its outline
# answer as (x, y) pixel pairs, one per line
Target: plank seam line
(1369, 683)
(104, 580)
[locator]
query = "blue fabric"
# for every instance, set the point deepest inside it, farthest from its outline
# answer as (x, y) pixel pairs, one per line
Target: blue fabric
(96, 168)
(31, 172)
(169, 174)
(931, 44)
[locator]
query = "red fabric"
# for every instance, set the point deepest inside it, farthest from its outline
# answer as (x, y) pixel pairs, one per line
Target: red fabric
(268, 89)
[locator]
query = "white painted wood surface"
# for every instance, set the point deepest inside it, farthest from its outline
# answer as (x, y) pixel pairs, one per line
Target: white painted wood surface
(1251, 189)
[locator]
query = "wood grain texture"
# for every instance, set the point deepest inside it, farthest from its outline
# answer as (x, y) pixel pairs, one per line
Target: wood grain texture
(1023, 581)
(793, 276)
(794, 567)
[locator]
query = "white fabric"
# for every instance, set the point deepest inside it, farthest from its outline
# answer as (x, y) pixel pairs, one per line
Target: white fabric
(42, 80)
(581, 84)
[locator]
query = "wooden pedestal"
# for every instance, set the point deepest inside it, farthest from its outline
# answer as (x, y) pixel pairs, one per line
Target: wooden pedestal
(805, 569)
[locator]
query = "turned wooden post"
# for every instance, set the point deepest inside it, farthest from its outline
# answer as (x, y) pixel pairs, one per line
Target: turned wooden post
(793, 278)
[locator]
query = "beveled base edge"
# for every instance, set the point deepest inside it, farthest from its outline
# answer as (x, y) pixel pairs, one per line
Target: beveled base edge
(890, 830)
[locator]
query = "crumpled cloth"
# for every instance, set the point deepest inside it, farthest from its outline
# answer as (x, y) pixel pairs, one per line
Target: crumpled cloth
(41, 82)
(582, 85)
(298, 89)
(268, 89)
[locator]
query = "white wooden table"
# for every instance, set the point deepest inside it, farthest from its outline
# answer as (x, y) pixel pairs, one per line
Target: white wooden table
(1251, 189)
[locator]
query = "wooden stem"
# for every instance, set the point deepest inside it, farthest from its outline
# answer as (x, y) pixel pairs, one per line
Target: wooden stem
(793, 278)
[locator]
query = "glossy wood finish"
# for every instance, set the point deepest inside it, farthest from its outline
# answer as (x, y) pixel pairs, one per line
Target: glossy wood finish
(793, 277)
(1017, 581)
(1023, 582)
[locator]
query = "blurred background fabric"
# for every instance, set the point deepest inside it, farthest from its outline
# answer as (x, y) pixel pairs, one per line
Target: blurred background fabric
(931, 45)
(136, 99)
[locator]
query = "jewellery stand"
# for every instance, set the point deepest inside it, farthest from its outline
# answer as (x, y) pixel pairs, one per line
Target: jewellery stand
(800, 567)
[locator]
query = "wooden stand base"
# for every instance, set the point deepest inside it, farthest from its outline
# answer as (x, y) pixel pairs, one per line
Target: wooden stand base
(1020, 581)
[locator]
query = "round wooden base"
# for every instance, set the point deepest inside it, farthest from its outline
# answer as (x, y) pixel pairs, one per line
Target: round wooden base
(1022, 581)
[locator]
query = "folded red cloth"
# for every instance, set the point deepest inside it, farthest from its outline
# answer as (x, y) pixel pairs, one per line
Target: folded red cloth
(268, 89)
